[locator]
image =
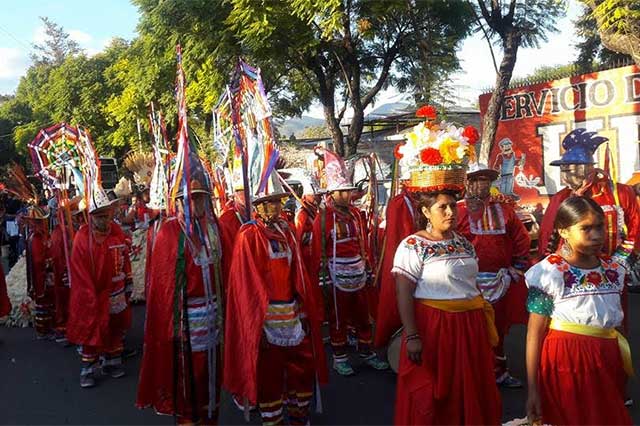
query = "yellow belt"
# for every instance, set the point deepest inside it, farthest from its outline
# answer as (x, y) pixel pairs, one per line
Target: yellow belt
(464, 305)
(604, 333)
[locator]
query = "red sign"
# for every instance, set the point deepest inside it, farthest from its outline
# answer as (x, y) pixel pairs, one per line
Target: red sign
(534, 119)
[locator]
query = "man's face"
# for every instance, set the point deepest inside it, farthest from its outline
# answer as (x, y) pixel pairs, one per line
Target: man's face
(269, 211)
(146, 196)
(341, 198)
(574, 175)
(479, 187)
(506, 148)
(200, 201)
(101, 220)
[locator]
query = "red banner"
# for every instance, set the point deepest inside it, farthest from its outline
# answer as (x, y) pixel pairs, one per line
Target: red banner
(534, 119)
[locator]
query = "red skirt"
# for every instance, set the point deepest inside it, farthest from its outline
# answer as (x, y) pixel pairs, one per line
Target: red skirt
(582, 381)
(455, 383)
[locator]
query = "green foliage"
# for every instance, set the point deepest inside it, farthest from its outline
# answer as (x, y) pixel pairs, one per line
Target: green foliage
(313, 132)
(618, 16)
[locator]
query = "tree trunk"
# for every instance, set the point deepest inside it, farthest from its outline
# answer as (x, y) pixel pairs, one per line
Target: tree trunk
(503, 78)
(355, 132)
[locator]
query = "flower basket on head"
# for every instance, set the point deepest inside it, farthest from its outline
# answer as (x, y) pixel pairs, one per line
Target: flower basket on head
(435, 155)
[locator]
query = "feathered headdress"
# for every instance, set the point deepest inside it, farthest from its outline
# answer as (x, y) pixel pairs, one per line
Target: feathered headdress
(141, 164)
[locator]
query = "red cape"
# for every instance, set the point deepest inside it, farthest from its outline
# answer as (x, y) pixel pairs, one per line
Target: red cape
(158, 372)
(399, 225)
(38, 255)
(229, 225)
(247, 301)
(92, 269)
(5, 303)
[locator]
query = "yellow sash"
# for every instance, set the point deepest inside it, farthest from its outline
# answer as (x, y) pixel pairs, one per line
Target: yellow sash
(604, 333)
(464, 305)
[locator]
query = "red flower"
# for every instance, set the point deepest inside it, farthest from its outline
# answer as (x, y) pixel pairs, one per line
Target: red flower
(411, 241)
(430, 156)
(594, 278)
(427, 111)
(472, 135)
(396, 151)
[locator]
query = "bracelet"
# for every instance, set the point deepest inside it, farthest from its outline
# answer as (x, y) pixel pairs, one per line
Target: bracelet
(413, 336)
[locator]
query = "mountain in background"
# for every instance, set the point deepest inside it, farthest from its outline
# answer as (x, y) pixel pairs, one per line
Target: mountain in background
(296, 125)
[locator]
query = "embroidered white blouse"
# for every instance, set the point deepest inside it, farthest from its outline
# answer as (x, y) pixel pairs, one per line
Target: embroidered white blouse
(441, 270)
(580, 296)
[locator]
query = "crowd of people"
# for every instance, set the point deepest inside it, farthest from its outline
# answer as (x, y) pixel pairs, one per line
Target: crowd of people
(240, 300)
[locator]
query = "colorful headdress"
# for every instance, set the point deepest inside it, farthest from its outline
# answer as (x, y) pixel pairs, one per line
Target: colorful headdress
(159, 187)
(141, 164)
(19, 186)
(435, 156)
(337, 175)
(579, 147)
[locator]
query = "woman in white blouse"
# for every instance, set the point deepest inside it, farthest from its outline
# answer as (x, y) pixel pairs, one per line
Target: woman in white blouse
(576, 359)
(446, 363)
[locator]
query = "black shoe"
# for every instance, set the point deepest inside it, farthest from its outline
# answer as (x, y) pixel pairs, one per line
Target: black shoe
(129, 353)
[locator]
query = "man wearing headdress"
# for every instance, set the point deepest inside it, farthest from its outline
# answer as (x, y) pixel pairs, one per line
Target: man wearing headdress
(273, 352)
(304, 219)
(99, 311)
(233, 216)
(40, 275)
(502, 246)
(181, 364)
(340, 260)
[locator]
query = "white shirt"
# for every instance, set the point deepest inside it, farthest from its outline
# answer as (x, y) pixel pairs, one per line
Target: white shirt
(441, 270)
(580, 296)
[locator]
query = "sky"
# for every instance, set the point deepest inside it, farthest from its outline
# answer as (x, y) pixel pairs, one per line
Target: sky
(94, 23)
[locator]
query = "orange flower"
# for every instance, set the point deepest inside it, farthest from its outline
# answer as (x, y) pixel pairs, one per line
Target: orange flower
(427, 111)
(430, 156)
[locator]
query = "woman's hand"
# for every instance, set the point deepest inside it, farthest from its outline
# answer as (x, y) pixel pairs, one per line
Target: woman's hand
(534, 412)
(414, 351)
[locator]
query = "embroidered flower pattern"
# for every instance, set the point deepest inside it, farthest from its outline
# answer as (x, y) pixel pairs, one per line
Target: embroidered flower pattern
(569, 279)
(457, 246)
(594, 278)
(554, 259)
(612, 275)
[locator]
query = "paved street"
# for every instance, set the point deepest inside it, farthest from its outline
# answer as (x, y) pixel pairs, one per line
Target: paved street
(39, 385)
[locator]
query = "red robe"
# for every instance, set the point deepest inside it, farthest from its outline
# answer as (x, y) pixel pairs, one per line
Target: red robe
(61, 277)
(496, 251)
(93, 267)
(601, 194)
(400, 223)
(158, 370)
(38, 259)
(5, 303)
(304, 230)
(247, 301)
(229, 224)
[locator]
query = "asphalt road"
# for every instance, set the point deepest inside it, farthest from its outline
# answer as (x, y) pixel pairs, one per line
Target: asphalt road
(39, 385)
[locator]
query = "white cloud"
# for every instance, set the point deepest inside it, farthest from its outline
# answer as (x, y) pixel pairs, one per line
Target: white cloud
(82, 38)
(14, 63)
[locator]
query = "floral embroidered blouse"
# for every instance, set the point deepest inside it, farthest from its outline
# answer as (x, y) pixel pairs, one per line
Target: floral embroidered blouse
(580, 296)
(441, 270)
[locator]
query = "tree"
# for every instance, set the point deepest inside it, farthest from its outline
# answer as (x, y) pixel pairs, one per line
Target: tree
(618, 24)
(592, 53)
(514, 23)
(56, 47)
(345, 51)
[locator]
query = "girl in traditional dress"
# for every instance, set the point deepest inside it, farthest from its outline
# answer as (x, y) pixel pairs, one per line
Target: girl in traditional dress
(576, 359)
(446, 363)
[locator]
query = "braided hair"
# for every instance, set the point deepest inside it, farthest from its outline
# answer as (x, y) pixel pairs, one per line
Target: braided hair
(571, 211)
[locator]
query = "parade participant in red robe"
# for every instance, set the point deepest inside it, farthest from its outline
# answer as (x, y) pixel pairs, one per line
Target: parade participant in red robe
(99, 312)
(5, 303)
(618, 201)
(304, 224)
(40, 274)
(230, 221)
(59, 256)
(181, 364)
(502, 245)
(340, 260)
(273, 346)
(399, 224)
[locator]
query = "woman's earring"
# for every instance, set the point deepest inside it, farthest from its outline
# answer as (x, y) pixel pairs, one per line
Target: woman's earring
(429, 227)
(566, 250)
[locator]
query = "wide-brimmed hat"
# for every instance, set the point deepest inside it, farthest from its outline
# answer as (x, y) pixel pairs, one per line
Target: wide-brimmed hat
(478, 169)
(579, 146)
(272, 191)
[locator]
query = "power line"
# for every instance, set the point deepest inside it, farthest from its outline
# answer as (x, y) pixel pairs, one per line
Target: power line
(28, 46)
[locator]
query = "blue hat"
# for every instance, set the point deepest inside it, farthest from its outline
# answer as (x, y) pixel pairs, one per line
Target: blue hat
(579, 147)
